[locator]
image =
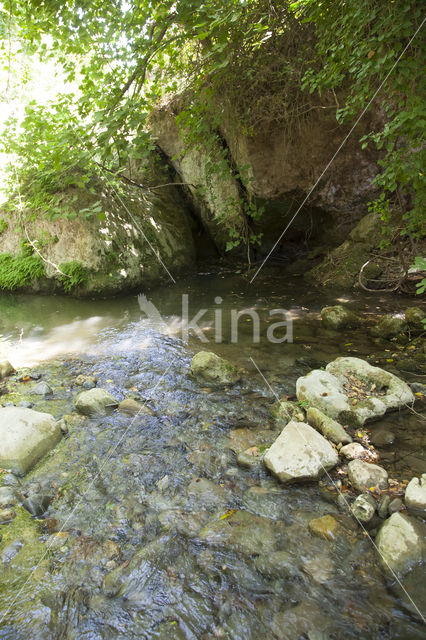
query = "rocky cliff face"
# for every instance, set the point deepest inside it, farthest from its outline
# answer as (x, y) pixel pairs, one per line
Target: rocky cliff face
(133, 241)
(282, 165)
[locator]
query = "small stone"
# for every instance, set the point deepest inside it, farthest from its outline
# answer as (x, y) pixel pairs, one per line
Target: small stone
(339, 317)
(388, 327)
(88, 382)
(415, 494)
(353, 451)
(324, 527)
(363, 508)
(163, 484)
(207, 367)
(249, 458)
(7, 515)
(383, 507)
(365, 476)
(6, 369)
(395, 505)
(42, 389)
(132, 407)
(383, 438)
(415, 317)
(96, 401)
(25, 404)
(7, 497)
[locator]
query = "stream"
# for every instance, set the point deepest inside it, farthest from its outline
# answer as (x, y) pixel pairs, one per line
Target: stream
(134, 543)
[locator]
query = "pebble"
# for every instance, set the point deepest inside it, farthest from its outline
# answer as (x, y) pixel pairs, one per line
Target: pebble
(324, 527)
(363, 508)
(7, 515)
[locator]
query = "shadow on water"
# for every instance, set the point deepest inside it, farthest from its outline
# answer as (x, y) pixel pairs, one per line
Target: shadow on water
(153, 530)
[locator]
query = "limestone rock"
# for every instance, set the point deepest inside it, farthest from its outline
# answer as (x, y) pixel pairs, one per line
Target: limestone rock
(25, 436)
(415, 494)
(400, 542)
(42, 389)
(95, 401)
(327, 426)
(353, 451)
(363, 508)
(364, 475)
(6, 369)
(208, 368)
(339, 317)
(326, 391)
(300, 453)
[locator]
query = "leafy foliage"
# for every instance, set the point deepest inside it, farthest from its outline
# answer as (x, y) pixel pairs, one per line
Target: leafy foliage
(17, 272)
(75, 275)
(360, 46)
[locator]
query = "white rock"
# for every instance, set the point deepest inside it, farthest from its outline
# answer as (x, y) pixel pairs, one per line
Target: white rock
(415, 494)
(325, 391)
(6, 369)
(364, 475)
(300, 453)
(400, 542)
(353, 451)
(25, 437)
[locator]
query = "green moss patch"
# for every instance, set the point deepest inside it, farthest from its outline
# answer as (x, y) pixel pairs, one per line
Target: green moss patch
(20, 271)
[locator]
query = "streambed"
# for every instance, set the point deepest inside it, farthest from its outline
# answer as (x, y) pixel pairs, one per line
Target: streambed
(138, 535)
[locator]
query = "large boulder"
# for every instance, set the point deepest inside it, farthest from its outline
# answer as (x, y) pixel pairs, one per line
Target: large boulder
(300, 453)
(208, 368)
(364, 475)
(339, 317)
(6, 369)
(401, 543)
(415, 494)
(95, 401)
(25, 436)
(352, 391)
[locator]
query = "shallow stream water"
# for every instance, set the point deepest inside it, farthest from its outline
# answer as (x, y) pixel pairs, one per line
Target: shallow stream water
(153, 530)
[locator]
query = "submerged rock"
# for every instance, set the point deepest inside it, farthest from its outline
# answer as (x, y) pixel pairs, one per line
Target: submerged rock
(133, 407)
(339, 317)
(8, 497)
(6, 369)
(25, 436)
(95, 401)
(388, 327)
(207, 367)
(400, 542)
(324, 527)
(415, 494)
(327, 426)
(415, 317)
(300, 453)
(243, 532)
(332, 391)
(364, 475)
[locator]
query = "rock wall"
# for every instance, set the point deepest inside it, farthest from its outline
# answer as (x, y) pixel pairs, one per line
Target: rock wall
(121, 247)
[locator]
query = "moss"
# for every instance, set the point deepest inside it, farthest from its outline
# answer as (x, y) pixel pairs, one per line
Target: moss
(20, 271)
(75, 275)
(3, 226)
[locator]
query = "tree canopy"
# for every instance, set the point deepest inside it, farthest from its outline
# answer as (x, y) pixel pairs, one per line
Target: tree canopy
(126, 56)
